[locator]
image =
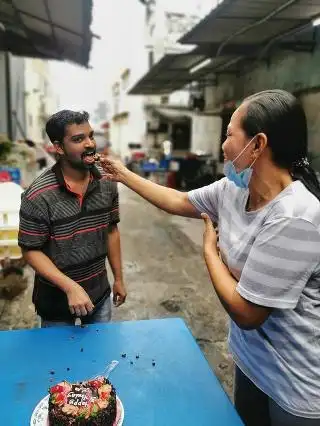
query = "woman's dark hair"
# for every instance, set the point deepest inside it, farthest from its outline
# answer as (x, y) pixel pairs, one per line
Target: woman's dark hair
(280, 116)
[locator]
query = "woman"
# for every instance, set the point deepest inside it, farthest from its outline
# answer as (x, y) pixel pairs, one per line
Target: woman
(268, 273)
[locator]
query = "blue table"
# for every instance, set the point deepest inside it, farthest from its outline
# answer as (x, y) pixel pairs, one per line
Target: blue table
(170, 384)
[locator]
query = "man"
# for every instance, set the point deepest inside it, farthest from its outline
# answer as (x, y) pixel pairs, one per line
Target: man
(167, 149)
(68, 226)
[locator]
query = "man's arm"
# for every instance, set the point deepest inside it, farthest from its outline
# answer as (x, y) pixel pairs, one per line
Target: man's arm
(34, 232)
(47, 269)
(114, 252)
(115, 261)
(79, 301)
(114, 249)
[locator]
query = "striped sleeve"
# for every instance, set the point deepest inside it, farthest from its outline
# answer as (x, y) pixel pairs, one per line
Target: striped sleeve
(206, 199)
(281, 261)
(34, 225)
(114, 214)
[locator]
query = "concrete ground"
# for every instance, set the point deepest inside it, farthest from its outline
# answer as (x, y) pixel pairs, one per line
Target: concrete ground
(165, 277)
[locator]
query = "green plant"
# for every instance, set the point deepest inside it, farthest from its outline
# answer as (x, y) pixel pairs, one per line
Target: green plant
(5, 148)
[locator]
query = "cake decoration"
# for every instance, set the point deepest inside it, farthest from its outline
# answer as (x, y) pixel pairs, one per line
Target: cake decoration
(90, 403)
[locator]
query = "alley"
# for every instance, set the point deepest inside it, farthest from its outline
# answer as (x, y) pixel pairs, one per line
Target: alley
(165, 276)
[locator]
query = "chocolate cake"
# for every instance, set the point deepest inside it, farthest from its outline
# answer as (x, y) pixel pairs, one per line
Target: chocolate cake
(90, 403)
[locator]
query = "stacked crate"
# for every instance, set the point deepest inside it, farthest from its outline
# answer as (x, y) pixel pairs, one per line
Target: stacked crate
(10, 200)
(9, 228)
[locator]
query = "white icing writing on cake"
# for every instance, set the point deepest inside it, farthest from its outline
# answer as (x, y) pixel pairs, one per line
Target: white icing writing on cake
(79, 397)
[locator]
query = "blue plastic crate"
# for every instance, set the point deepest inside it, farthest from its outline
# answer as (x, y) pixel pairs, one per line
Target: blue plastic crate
(149, 167)
(14, 173)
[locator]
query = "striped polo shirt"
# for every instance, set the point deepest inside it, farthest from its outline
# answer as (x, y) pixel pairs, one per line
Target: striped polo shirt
(72, 232)
(274, 254)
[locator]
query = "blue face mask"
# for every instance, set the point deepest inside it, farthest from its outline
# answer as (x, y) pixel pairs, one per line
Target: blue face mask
(240, 179)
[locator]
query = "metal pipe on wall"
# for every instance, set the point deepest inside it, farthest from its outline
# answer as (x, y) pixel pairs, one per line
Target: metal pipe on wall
(8, 95)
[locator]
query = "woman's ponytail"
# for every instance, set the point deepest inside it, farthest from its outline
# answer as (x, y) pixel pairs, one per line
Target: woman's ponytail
(301, 170)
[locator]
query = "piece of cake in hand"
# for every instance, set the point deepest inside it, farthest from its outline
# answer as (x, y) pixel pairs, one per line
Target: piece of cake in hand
(90, 403)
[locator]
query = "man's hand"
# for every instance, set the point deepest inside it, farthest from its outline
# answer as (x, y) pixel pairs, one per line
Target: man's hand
(119, 293)
(79, 302)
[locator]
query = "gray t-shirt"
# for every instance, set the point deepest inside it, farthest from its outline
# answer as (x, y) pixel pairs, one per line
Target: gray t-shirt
(274, 253)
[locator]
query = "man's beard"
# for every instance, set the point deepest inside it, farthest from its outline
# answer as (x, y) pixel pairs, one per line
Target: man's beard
(78, 164)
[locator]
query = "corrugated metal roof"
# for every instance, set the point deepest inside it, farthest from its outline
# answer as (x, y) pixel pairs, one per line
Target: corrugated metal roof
(251, 22)
(51, 29)
(171, 73)
(233, 32)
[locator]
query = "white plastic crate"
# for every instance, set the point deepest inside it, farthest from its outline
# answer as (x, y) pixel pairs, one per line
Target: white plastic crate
(10, 249)
(10, 196)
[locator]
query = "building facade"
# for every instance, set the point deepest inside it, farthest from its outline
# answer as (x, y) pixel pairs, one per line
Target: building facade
(239, 49)
(27, 97)
(12, 104)
(127, 117)
(150, 119)
(40, 99)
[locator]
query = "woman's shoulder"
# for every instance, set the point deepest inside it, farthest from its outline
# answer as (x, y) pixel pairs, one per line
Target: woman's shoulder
(214, 189)
(296, 203)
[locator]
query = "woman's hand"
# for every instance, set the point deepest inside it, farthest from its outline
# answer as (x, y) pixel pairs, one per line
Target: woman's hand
(114, 168)
(210, 237)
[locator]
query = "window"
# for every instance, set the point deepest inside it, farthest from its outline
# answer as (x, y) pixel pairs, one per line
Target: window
(116, 89)
(151, 58)
(164, 100)
(125, 79)
(125, 83)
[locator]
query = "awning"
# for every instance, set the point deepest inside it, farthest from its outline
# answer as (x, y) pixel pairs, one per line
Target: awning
(171, 73)
(122, 116)
(175, 115)
(247, 27)
(47, 29)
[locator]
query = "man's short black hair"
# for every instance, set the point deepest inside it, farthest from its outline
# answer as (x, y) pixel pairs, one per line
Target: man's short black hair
(57, 123)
